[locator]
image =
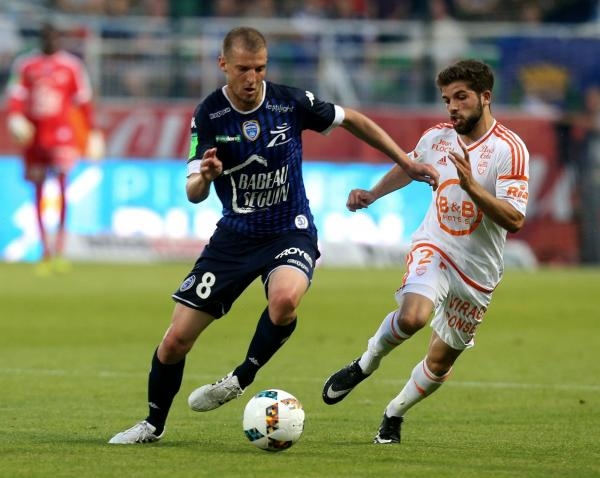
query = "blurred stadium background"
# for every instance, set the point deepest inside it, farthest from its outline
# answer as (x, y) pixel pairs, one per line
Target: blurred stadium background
(152, 61)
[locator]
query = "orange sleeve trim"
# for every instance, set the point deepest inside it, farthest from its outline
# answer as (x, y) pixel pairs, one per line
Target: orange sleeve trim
(511, 176)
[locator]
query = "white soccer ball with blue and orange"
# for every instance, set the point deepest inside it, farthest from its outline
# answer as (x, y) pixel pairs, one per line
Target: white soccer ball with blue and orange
(273, 420)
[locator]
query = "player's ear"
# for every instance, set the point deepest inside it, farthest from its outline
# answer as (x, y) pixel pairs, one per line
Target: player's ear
(222, 62)
(486, 97)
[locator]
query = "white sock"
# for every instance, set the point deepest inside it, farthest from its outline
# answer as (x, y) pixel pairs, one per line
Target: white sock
(386, 339)
(421, 384)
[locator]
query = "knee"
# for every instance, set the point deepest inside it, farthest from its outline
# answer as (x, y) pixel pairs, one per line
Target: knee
(440, 368)
(411, 321)
(282, 308)
(172, 349)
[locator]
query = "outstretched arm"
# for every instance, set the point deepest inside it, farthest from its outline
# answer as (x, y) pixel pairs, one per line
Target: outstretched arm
(394, 179)
(371, 133)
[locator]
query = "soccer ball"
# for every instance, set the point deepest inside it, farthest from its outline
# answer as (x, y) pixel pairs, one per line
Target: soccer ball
(273, 420)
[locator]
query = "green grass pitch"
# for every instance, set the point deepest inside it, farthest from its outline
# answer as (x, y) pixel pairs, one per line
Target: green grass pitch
(75, 351)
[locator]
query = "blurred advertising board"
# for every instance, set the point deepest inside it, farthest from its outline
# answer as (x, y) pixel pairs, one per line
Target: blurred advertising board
(151, 142)
(137, 210)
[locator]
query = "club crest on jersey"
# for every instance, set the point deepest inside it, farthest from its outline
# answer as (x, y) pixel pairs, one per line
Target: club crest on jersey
(251, 130)
(482, 166)
(187, 284)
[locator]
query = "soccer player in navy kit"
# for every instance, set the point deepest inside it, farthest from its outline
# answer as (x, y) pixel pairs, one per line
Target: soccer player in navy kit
(246, 142)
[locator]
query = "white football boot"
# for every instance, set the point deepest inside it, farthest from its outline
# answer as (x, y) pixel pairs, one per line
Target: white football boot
(141, 432)
(209, 397)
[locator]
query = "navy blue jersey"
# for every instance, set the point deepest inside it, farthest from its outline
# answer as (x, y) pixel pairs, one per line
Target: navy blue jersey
(261, 188)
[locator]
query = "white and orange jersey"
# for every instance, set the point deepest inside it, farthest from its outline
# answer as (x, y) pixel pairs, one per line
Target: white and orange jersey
(47, 89)
(454, 226)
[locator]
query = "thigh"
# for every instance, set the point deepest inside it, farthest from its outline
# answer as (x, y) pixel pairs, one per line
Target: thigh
(459, 315)
(296, 252)
(426, 275)
(37, 163)
(285, 289)
(227, 266)
(186, 325)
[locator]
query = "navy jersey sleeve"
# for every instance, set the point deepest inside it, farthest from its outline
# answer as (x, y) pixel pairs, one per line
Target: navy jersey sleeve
(201, 131)
(316, 114)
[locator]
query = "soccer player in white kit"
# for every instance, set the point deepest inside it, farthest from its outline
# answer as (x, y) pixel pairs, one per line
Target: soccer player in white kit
(456, 256)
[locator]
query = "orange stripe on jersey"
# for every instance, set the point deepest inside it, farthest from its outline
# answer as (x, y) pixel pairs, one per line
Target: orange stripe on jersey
(514, 152)
(520, 169)
(502, 135)
(517, 150)
(409, 261)
(512, 176)
(462, 275)
(481, 140)
(438, 126)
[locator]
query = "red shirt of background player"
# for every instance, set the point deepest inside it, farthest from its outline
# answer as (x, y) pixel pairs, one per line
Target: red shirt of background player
(50, 116)
(54, 93)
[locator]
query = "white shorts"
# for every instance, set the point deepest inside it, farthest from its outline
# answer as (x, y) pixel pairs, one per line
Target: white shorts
(458, 306)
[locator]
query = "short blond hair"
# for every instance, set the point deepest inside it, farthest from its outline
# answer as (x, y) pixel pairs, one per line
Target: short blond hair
(247, 37)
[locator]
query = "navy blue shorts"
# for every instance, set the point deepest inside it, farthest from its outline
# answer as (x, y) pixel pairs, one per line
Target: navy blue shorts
(231, 262)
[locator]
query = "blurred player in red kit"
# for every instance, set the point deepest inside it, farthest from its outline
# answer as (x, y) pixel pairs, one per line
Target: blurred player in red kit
(50, 115)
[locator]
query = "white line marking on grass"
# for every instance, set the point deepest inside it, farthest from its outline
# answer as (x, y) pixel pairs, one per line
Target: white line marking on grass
(525, 386)
(110, 374)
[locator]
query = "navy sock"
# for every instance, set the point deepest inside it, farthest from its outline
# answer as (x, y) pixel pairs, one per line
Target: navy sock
(268, 339)
(164, 381)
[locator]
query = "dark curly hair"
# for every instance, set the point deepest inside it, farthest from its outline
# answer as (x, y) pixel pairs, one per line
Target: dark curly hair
(477, 75)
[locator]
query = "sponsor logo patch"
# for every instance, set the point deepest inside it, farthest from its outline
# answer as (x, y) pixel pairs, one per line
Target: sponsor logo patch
(280, 108)
(295, 251)
(301, 221)
(220, 113)
(222, 138)
(281, 135)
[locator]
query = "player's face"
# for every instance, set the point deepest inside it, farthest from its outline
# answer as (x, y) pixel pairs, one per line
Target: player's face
(245, 72)
(465, 106)
(49, 39)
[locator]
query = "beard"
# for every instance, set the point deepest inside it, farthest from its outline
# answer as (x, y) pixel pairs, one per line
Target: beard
(470, 122)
